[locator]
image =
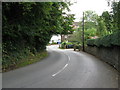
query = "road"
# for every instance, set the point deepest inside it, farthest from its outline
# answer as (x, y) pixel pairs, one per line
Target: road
(63, 69)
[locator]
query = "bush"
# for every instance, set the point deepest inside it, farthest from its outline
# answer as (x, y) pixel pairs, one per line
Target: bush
(63, 45)
(13, 62)
(69, 43)
(90, 42)
(106, 41)
(116, 39)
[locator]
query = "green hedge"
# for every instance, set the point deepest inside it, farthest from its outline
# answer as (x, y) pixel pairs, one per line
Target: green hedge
(106, 41)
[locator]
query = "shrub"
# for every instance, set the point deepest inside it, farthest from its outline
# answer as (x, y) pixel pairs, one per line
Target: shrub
(116, 39)
(97, 42)
(63, 45)
(69, 43)
(106, 41)
(90, 42)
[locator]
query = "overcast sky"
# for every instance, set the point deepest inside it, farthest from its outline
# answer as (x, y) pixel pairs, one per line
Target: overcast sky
(83, 5)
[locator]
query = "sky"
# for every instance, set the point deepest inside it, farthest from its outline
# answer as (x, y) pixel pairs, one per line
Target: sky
(83, 5)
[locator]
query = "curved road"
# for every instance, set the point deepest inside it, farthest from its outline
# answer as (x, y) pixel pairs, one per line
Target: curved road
(63, 69)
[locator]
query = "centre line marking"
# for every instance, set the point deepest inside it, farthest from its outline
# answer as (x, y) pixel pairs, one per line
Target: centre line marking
(68, 57)
(60, 70)
(63, 67)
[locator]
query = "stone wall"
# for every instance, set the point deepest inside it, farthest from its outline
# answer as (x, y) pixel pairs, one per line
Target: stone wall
(111, 55)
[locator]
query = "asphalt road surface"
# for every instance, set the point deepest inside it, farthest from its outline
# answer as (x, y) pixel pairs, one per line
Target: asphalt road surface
(63, 69)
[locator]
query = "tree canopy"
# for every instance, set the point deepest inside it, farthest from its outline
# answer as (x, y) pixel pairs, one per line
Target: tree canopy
(29, 26)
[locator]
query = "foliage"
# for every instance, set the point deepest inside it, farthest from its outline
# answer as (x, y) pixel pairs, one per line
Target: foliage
(63, 44)
(90, 16)
(101, 28)
(69, 43)
(76, 36)
(90, 33)
(105, 24)
(31, 58)
(28, 27)
(109, 22)
(116, 15)
(67, 27)
(90, 25)
(67, 24)
(106, 41)
(108, 28)
(90, 42)
(107, 18)
(90, 29)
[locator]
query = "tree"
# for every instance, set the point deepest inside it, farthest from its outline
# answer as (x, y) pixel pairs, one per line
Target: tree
(101, 29)
(67, 25)
(90, 27)
(90, 33)
(116, 15)
(76, 36)
(90, 24)
(109, 22)
(28, 27)
(90, 19)
(90, 16)
(107, 18)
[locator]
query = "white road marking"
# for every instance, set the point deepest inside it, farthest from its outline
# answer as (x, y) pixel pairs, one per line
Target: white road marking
(63, 67)
(68, 57)
(60, 70)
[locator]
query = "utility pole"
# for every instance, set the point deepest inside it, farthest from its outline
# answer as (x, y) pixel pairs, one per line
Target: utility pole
(83, 47)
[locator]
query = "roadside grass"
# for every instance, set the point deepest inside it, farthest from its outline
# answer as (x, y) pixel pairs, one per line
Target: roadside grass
(30, 59)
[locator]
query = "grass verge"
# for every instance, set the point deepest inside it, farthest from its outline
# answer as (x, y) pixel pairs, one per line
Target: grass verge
(30, 59)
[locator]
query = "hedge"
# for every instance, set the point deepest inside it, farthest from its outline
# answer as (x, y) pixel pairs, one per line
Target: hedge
(106, 41)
